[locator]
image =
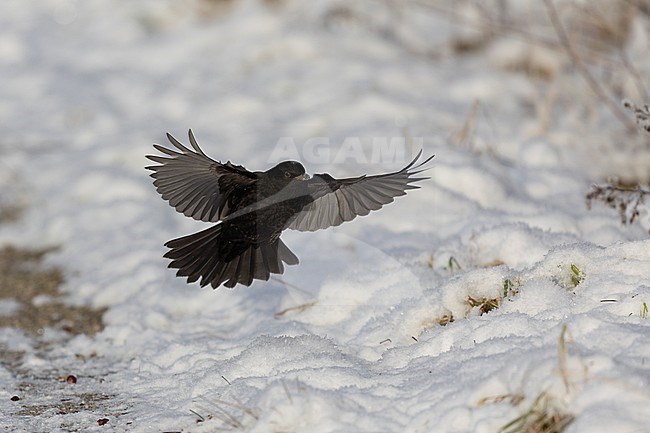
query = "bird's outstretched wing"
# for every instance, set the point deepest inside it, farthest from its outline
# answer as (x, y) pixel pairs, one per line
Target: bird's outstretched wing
(195, 184)
(336, 201)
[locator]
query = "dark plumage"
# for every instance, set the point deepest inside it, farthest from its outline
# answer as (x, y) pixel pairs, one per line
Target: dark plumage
(252, 209)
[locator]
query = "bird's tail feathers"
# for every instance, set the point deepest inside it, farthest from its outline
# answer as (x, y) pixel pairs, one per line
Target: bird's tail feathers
(207, 256)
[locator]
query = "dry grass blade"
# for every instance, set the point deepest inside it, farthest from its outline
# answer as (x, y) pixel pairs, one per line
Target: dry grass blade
(238, 406)
(231, 414)
(286, 390)
(541, 417)
(464, 136)
(296, 308)
(290, 285)
(513, 399)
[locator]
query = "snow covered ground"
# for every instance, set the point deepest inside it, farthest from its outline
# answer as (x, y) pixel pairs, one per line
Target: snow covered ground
(490, 293)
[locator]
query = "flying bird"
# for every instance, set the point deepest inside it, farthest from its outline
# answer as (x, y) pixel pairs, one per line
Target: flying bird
(252, 208)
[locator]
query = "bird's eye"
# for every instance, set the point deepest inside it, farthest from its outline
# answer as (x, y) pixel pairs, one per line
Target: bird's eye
(287, 174)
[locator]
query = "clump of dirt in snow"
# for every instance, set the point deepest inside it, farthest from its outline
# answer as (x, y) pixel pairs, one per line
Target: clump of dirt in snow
(33, 291)
(36, 290)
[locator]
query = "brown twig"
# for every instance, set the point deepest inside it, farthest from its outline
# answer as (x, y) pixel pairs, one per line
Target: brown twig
(627, 201)
(298, 308)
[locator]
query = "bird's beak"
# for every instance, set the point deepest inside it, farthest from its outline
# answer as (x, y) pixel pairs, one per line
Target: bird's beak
(303, 177)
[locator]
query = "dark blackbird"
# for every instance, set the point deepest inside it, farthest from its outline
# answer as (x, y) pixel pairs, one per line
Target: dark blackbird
(252, 209)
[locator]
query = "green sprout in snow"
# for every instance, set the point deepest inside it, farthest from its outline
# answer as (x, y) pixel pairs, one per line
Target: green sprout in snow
(453, 262)
(577, 276)
(509, 288)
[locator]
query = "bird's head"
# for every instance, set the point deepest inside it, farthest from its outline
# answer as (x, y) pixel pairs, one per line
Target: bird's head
(287, 171)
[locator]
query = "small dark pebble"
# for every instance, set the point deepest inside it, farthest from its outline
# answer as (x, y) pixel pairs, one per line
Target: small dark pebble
(15, 398)
(102, 421)
(71, 379)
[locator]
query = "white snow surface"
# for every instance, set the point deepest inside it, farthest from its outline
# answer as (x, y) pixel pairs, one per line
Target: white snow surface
(88, 87)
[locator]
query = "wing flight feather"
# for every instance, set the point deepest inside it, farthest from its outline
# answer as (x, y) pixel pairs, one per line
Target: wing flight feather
(336, 201)
(195, 184)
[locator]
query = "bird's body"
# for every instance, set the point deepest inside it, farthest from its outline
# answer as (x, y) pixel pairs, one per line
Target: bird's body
(252, 209)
